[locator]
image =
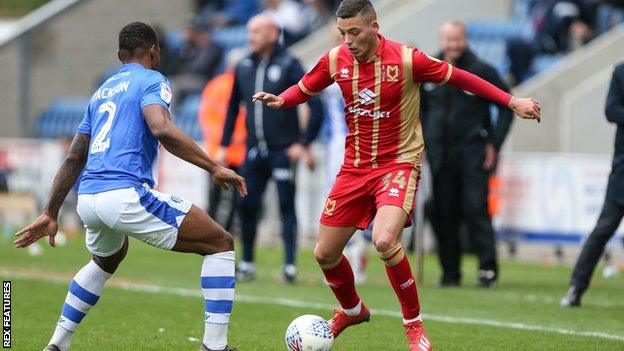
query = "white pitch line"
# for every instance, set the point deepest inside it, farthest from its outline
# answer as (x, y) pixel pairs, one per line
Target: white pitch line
(279, 301)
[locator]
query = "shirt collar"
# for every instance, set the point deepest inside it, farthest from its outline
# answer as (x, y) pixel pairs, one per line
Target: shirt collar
(131, 66)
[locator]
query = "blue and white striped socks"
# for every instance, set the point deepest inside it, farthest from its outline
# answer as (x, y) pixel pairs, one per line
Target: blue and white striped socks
(217, 282)
(84, 292)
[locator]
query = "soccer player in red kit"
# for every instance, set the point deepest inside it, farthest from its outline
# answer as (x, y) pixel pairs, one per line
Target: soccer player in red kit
(380, 81)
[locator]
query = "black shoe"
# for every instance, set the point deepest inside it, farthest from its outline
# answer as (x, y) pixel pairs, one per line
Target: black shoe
(51, 347)
(446, 282)
(205, 348)
(245, 272)
(487, 278)
(572, 298)
(290, 274)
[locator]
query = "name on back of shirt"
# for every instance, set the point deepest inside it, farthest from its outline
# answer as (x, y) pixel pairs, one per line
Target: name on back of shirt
(107, 93)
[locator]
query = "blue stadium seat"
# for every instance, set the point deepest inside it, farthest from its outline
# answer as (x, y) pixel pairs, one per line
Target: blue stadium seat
(545, 62)
(61, 118)
(230, 37)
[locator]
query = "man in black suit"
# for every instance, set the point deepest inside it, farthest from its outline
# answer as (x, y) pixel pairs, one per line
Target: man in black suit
(462, 144)
(613, 207)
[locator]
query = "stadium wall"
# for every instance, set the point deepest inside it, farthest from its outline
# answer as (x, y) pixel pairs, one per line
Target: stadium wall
(573, 95)
(69, 51)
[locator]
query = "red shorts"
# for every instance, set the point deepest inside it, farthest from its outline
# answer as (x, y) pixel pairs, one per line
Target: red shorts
(358, 193)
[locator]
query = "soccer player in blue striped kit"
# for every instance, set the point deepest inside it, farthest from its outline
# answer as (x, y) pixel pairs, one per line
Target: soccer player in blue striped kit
(116, 144)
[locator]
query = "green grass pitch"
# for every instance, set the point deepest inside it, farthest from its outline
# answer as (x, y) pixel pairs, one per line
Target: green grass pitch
(154, 303)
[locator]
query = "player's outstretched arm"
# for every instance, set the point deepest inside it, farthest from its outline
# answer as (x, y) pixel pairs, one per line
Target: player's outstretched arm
(182, 146)
(67, 175)
(524, 107)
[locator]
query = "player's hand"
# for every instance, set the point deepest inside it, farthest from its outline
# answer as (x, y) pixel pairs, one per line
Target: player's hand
(295, 152)
(526, 108)
(225, 177)
(309, 158)
(44, 225)
(273, 101)
(490, 157)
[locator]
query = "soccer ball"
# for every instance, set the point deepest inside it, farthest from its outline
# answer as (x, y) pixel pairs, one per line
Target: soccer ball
(309, 333)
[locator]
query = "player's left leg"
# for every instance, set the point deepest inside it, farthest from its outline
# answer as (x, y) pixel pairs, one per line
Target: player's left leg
(395, 195)
(389, 223)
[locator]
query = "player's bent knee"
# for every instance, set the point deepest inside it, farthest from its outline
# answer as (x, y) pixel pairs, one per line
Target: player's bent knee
(221, 243)
(325, 258)
(109, 264)
(384, 244)
(227, 241)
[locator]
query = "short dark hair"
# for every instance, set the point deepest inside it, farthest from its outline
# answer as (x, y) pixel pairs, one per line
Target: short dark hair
(352, 8)
(136, 38)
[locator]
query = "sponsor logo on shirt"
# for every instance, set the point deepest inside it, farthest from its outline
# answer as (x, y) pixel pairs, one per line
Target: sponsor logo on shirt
(367, 97)
(364, 112)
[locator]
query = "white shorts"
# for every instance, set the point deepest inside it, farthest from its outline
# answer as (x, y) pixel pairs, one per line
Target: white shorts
(140, 212)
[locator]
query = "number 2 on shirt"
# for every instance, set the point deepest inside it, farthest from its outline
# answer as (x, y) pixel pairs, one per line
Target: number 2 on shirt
(101, 143)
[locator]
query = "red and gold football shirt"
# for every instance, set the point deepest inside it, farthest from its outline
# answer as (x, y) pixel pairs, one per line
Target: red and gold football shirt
(382, 100)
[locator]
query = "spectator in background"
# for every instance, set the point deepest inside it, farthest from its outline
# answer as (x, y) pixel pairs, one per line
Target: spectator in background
(169, 59)
(4, 171)
(290, 16)
(462, 146)
(274, 141)
(560, 26)
(212, 111)
(609, 14)
(223, 13)
(613, 207)
(199, 60)
(317, 13)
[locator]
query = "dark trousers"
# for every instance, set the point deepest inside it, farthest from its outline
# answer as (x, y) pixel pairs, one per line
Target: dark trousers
(610, 217)
(217, 199)
(460, 196)
(257, 170)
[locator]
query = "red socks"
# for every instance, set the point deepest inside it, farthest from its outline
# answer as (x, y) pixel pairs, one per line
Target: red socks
(340, 279)
(402, 280)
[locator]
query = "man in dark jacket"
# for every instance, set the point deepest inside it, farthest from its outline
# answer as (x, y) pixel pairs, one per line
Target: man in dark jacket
(613, 207)
(274, 140)
(462, 145)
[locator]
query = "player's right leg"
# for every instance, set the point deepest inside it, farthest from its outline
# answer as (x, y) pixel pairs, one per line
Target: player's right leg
(200, 234)
(108, 249)
(339, 275)
(347, 208)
